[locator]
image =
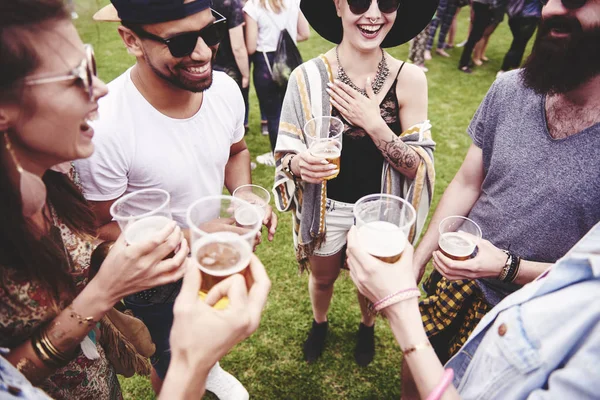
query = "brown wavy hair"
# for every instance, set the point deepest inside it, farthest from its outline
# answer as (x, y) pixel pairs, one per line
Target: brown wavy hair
(21, 249)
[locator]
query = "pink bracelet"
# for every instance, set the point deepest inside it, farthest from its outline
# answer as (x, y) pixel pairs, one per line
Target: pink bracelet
(396, 298)
(439, 390)
(389, 296)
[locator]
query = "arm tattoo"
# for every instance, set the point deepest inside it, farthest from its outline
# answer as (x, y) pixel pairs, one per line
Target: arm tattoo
(399, 155)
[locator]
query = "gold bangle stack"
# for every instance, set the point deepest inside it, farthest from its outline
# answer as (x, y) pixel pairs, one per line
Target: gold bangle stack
(46, 351)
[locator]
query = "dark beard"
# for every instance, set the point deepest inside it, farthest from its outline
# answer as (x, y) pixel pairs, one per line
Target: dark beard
(562, 65)
(182, 83)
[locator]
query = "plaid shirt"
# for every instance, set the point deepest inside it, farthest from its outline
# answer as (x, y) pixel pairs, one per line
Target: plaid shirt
(446, 299)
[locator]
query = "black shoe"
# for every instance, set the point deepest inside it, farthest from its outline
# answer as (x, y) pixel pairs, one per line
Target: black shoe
(313, 347)
(466, 70)
(365, 346)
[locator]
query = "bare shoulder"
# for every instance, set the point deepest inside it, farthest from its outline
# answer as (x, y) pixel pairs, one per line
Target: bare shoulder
(411, 84)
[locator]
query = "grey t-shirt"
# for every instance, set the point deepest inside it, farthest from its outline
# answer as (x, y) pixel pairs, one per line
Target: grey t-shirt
(539, 195)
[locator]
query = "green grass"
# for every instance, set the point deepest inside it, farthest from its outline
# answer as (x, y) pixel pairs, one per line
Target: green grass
(270, 362)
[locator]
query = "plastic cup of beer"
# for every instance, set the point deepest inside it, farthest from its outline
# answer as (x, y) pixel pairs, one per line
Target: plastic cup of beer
(384, 222)
(142, 214)
(223, 230)
(323, 136)
(459, 237)
(255, 195)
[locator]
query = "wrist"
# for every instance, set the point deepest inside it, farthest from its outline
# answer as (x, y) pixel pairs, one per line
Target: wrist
(183, 381)
(95, 300)
(406, 323)
(294, 166)
(377, 128)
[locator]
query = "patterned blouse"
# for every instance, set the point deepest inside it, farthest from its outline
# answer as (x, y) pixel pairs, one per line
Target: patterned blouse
(24, 306)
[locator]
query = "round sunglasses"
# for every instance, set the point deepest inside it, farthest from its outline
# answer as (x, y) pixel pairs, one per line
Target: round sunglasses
(568, 4)
(85, 71)
(362, 6)
(183, 44)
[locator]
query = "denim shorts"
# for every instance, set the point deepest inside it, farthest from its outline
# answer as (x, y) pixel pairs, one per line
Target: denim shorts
(158, 317)
(339, 218)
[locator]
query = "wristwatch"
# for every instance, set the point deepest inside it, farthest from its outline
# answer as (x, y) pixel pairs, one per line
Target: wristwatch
(287, 167)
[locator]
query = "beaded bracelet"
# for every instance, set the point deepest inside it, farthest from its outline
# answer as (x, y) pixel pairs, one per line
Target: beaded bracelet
(396, 298)
(439, 390)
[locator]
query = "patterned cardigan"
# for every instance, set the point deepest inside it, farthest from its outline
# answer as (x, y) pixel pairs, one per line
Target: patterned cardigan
(305, 99)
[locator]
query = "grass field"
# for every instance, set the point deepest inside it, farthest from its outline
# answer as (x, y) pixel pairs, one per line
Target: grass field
(270, 363)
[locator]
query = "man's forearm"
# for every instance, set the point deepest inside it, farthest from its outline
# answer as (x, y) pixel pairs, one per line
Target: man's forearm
(241, 60)
(529, 270)
(237, 171)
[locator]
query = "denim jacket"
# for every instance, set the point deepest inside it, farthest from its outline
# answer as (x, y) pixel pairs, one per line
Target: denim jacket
(543, 341)
(13, 385)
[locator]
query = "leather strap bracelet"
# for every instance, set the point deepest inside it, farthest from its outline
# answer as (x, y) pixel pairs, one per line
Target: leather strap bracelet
(287, 167)
(511, 267)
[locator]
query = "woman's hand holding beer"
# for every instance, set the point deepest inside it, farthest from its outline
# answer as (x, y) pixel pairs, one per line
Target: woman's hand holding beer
(132, 268)
(488, 263)
(374, 278)
(355, 108)
(203, 334)
(312, 169)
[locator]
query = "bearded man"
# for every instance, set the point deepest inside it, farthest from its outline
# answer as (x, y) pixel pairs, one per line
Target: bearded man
(172, 123)
(530, 180)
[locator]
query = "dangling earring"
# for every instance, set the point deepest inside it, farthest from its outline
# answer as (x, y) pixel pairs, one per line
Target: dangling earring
(32, 188)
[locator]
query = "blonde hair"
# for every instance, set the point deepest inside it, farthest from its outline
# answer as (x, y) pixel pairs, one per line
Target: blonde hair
(276, 5)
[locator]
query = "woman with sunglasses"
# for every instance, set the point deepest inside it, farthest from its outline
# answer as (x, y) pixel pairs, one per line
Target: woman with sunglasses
(265, 19)
(51, 312)
(378, 98)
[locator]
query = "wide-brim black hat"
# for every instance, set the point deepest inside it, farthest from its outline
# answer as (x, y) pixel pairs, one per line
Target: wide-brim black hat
(413, 16)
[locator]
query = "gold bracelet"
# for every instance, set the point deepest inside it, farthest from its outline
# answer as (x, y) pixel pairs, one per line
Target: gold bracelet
(51, 349)
(41, 353)
(420, 346)
(89, 320)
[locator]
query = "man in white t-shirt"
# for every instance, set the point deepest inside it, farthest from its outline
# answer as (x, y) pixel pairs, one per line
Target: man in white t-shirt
(170, 123)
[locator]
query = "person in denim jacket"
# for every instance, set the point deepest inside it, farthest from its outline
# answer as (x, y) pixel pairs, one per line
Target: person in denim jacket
(541, 342)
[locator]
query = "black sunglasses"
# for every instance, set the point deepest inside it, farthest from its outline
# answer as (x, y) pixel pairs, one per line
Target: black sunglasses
(569, 4)
(183, 44)
(362, 6)
(85, 71)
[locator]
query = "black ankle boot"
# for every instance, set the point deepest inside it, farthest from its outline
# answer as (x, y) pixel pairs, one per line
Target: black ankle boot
(365, 346)
(313, 347)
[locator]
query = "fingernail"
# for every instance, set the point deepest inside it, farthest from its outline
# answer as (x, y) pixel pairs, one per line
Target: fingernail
(329, 84)
(324, 162)
(337, 81)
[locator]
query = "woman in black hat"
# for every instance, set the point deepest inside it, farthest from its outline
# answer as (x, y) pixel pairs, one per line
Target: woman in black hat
(377, 97)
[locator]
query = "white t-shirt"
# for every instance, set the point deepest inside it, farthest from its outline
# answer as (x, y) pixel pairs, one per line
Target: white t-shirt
(268, 33)
(137, 147)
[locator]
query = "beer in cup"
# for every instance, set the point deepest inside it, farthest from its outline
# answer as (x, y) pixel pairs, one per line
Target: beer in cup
(323, 136)
(384, 222)
(223, 231)
(142, 214)
(220, 255)
(458, 237)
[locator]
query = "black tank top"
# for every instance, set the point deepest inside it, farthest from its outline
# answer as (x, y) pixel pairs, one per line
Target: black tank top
(361, 162)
